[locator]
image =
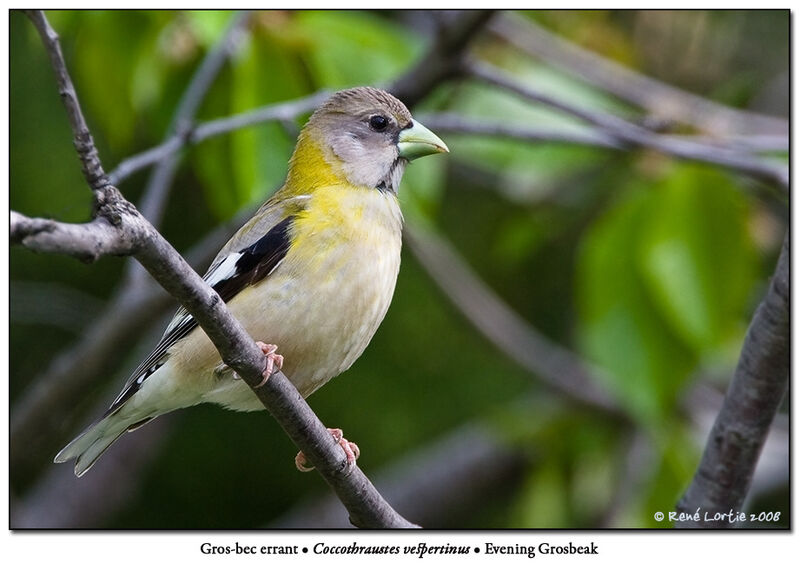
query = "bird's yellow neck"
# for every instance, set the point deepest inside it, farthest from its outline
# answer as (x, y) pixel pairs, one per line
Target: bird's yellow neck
(309, 168)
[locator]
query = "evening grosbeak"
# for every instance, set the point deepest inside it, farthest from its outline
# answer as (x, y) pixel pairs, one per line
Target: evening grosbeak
(312, 273)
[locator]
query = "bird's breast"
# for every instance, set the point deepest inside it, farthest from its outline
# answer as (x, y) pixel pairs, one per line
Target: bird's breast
(325, 300)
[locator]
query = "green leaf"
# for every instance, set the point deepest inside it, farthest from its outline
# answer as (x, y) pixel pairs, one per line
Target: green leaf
(242, 168)
(355, 48)
(695, 256)
(620, 328)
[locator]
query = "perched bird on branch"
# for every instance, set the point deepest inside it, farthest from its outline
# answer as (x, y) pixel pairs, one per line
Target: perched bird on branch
(311, 274)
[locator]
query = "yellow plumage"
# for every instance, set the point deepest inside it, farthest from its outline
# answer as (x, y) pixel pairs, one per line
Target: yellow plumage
(313, 272)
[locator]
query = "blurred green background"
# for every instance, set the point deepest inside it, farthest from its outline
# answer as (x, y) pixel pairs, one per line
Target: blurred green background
(647, 267)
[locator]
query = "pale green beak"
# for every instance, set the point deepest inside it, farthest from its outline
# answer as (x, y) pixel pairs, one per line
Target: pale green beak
(418, 141)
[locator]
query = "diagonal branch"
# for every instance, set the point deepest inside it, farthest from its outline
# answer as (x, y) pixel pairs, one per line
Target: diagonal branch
(753, 398)
(559, 368)
(45, 412)
(82, 138)
(447, 122)
(365, 505)
(656, 97)
(453, 123)
(634, 135)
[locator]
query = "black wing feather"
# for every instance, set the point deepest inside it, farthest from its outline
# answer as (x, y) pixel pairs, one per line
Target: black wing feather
(257, 260)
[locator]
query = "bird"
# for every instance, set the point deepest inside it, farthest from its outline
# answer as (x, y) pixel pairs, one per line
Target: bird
(311, 274)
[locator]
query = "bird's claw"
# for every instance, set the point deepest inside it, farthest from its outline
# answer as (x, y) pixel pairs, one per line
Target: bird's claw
(274, 361)
(351, 451)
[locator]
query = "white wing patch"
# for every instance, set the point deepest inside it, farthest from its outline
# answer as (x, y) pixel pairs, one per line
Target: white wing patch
(219, 272)
(223, 270)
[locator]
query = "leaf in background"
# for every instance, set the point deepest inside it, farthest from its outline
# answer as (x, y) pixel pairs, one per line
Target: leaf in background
(620, 328)
(355, 48)
(695, 256)
(107, 50)
(245, 166)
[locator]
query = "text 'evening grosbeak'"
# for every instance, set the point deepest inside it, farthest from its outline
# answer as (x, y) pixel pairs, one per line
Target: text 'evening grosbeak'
(312, 272)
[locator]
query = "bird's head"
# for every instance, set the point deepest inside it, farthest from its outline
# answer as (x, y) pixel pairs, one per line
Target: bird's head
(363, 136)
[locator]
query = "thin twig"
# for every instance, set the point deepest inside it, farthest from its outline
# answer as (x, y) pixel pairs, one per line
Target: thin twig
(157, 189)
(756, 391)
(82, 138)
(627, 132)
(660, 99)
(202, 131)
(454, 123)
(448, 122)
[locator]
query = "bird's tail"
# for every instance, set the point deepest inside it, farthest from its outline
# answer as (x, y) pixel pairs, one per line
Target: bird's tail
(87, 447)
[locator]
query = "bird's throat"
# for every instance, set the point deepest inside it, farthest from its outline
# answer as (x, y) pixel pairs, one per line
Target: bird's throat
(309, 169)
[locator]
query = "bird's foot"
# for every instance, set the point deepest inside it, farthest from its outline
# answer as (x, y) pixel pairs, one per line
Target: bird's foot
(350, 449)
(274, 361)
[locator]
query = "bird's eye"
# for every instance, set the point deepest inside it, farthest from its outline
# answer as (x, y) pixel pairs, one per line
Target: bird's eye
(378, 122)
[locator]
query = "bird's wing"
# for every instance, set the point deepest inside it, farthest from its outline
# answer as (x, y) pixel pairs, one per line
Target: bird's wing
(251, 255)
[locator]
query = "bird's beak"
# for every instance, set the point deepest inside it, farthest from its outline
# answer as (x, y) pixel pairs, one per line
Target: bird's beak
(418, 141)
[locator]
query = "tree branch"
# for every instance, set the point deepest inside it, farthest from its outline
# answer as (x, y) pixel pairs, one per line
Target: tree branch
(90, 161)
(634, 135)
(160, 180)
(655, 96)
(447, 122)
(84, 241)
(454, 123)
(753, 398)
(238, 350)
(201, 132)
(559, 368)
